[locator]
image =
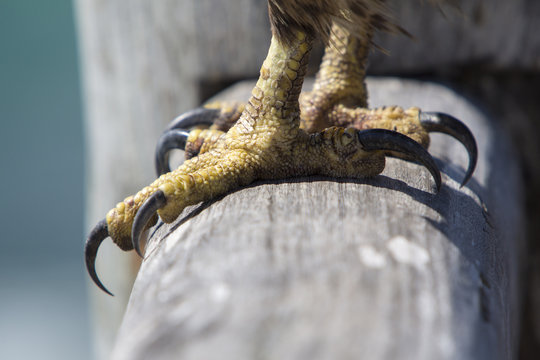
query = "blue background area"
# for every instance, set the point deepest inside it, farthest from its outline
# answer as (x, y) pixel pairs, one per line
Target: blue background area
(43, 305)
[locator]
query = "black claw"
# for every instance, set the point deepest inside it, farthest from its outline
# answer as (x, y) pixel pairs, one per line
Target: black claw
(447, 124)
(175, 136)
(96, 237)
(381, 139)
(170, 140)
(195, 117)
(145, 213)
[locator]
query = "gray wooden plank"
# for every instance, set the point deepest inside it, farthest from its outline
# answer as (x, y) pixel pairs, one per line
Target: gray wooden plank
(344, 269)
(494, 34)
(144, 62)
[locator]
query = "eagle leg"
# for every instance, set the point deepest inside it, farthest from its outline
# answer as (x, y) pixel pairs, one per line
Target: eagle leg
(265, 143)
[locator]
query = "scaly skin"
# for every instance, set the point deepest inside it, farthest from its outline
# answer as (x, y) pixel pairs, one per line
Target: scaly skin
(395, 118)
(265, 143)
(340, 80)
(267, 139)
(339, 98)
(203, 140)
(230, 112)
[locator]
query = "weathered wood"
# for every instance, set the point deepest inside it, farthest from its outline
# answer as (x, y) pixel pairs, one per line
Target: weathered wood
(489, 34)
(325, 269)
(144, 62)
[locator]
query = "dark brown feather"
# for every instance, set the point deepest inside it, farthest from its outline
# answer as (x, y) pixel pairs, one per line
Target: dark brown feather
(315, 17)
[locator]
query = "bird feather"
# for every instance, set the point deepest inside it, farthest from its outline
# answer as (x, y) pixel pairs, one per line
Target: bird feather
(315, 17)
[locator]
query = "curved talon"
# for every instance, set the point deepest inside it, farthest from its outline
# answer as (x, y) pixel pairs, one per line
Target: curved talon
(170, 140)
(175, 137)
(381, 139)
(96, 237)
(145, 213)
(195, 117)
(447, 124)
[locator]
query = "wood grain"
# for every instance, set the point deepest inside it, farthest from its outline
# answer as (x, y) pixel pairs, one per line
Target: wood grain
(144, 62)
(321, 268)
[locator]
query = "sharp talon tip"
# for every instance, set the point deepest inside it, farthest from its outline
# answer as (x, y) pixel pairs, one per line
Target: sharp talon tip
(170, 140)
(148, 209)
(467, 177)
(381, 139)
(96, 237)
(175, 137)
(447, 124)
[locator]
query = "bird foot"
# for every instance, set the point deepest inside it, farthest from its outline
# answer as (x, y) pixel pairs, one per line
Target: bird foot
(223, 164)
(267, 142)
(220, 117)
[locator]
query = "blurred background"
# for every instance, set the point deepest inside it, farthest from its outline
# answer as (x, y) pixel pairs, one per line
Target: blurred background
(43, 302)
(134, 72)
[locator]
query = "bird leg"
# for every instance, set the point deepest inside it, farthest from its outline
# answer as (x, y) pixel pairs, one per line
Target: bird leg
(339, 98)
(340, 80)
(265, 143)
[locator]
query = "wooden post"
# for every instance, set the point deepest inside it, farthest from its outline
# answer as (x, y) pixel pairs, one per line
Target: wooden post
(318, 268)
(144, 62)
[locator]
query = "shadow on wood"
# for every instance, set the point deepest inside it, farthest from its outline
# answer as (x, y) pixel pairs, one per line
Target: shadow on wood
(318, 268)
